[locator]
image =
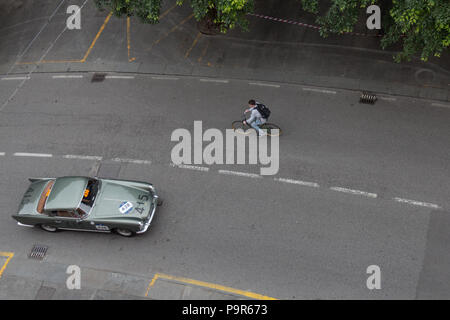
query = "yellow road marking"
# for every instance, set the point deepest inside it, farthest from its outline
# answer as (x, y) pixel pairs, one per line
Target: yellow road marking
(193, 45)
(85, 55)
(9, 255)
(203, 52)
(167, 11)
(96, 37)
(247, 294)
(128, 40)
(173, 29)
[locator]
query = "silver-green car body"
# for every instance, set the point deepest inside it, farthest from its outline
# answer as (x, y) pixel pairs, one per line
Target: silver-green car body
(88, 204)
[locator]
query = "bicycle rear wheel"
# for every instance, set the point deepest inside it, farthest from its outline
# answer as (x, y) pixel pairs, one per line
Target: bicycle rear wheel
(271, 129)
(236, 125)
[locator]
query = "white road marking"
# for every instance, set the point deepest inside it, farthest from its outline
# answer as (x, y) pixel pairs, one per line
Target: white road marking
(418, 203)
(73, 156)
(185, 166)
(440, 105)
(25, 154)
(214, 80)
(387, 99)
(319, 90)
(119, 77)
(242, 174)
(132, 161)
(68, 76)
(2, 153)
(302, 183)
(357, 192)
(16, 78)
(165, 78)
(264, 84)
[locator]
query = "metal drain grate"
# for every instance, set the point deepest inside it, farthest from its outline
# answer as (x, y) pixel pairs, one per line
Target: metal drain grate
(38, 252)
(367, 97)
(98, 77)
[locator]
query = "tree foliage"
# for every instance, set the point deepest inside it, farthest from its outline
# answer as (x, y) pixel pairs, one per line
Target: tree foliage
(421, 26)
(225, 14)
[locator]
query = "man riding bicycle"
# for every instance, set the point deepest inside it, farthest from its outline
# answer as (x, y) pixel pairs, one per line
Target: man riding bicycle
(256, 119)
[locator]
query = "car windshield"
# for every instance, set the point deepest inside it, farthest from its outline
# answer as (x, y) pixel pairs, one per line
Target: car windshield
(90, 193)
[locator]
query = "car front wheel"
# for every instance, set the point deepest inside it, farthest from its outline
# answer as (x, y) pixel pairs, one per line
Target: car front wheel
(48, 228)
(124, 232)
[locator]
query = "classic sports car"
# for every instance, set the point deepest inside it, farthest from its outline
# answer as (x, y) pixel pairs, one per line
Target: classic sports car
(88, 204)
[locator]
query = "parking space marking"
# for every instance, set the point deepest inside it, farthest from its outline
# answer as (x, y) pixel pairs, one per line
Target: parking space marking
(194, 43)
(26, 154)
(8, 256)
(208, 285)
(172, 30)
(128, 40)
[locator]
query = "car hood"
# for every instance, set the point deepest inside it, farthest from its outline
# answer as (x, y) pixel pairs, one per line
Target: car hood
(122, 200)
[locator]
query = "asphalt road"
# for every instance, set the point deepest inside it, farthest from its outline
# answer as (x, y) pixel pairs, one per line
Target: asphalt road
(357, 185)
(281, 239)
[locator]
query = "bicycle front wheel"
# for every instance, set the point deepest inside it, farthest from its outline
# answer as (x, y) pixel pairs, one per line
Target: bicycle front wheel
(272, 129)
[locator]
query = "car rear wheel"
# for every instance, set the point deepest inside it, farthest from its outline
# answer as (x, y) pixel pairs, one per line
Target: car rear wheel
(124, 232)
(48, 228)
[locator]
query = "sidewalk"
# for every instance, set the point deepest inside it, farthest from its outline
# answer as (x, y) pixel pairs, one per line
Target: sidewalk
(28, 279)
(272, 51)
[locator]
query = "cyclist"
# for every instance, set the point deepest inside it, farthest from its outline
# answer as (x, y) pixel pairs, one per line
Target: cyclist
(256, 119)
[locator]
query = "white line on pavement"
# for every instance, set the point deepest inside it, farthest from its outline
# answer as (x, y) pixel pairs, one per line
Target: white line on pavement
(302, 183)
(388, 99)
(264, 84)
(25, 154)
(214, 80)
(132, 161)
(242, 174)
(185, 166)
(16, 78)
(68, 76)
(165, 78)
(73, 156)
(2, 153)
(319, 90)
(357, 192)
(440, 105)
(418, 203)
(119, 77)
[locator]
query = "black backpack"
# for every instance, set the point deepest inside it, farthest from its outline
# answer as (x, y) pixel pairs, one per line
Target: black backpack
(265, 112)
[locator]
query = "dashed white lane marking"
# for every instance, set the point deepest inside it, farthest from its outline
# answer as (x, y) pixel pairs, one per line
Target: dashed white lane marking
(2, 153)
(165, 78)
(132, 161)
(264, 84)
(214, 80)
(119, 77)
(387, 98)
(418, 203)
(242, 174)
(302, 183)
(440, 105)
(26, 154)
(74, 156)
(16, 78)
(186, 166)
(319, 90)
(68, 76)
(357, 192)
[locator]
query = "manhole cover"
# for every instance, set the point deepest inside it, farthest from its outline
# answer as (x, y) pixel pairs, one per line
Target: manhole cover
(98, 77)
(38, 252)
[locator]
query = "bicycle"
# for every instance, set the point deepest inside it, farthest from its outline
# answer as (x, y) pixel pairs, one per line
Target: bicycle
(239, 124)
